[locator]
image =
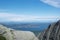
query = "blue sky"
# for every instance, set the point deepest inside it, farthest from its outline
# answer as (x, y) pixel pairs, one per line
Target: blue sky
(29, 10)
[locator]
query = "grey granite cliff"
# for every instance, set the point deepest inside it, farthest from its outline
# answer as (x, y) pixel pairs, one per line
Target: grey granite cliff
(51, 33)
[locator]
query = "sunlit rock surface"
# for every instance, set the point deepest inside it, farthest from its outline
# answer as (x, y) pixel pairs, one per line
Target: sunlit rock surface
(11, 34)
(52, 33)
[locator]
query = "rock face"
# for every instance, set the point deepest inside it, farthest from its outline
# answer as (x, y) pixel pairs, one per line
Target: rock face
(11, 34)
(24, 35)
(52, 33)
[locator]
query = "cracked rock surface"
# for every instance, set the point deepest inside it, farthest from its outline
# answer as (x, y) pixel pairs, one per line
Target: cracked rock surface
(51, 33)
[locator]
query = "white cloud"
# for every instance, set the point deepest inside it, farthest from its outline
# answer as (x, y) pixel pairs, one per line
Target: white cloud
(55, 3)
(28, 18)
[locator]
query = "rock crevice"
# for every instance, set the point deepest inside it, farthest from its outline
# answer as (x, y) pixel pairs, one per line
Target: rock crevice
(52, 32)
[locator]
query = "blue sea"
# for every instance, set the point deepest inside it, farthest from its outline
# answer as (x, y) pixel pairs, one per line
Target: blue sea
(35, 27)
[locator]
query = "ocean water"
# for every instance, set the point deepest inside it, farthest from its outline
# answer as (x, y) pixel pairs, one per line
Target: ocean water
(26, 26)
(35, 27)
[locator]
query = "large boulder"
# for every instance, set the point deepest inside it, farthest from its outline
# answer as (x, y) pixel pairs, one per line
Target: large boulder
(10, 34)
(51, 33)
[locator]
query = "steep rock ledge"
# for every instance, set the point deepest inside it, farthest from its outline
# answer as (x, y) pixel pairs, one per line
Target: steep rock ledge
(52, 32)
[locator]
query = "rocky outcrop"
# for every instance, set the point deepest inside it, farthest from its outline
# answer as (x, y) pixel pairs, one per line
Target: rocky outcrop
(52, 32)
(11, 34)
(24, 35)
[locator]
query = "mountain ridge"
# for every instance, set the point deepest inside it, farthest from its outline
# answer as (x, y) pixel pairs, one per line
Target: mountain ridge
(51, 33)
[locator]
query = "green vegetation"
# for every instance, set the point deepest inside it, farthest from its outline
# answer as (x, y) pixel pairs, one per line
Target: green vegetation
(2, 38)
